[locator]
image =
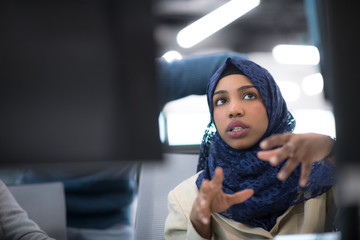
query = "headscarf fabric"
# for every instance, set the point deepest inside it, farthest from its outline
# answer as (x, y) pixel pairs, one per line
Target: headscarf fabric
(242, 168)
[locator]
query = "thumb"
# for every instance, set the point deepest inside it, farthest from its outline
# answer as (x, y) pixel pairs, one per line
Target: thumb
(266, 155)
(240, 196)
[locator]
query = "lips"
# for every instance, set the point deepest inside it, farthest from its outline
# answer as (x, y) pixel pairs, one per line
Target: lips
(237, 129)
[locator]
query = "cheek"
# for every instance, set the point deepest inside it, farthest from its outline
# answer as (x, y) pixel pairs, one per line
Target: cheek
(218, 116)
(260, 114)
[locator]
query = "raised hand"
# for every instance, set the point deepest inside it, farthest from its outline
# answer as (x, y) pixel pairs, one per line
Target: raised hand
(297, 148)
(211, 199)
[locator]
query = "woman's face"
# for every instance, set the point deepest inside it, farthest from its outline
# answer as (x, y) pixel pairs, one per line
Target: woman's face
(239, 112)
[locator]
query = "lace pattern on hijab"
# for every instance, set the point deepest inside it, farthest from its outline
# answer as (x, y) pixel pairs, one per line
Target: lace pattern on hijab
(242, 168)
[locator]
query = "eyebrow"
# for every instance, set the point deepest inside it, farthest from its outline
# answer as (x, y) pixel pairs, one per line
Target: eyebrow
(239, 89)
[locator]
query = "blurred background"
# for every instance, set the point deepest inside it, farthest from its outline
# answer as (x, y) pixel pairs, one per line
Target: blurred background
(279, 35)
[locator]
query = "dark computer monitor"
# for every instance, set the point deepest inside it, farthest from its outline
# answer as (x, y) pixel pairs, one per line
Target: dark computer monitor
(77, 82)
(339, 40)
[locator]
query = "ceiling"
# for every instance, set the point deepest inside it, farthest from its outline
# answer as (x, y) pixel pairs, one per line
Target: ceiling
(272, 22)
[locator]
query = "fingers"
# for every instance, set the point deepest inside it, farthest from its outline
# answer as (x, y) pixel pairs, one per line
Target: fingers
(218, 176)
(209, 187)
(295, 149)
(287, 169)
(240, 197)
(305, 173)
(290, 166)
(201, 205)
(280, 154)
(276, 156)
(285, 152)
(275, 140)
(267, 155)
(207, 191)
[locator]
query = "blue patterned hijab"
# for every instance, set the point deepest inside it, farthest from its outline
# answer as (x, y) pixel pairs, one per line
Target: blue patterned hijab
(242, 168)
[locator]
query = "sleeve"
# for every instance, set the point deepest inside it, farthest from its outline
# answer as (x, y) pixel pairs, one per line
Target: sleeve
(178, 225)
(14, 221)
(188, 76)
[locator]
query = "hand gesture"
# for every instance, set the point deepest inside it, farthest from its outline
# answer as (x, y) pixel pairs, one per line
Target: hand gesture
(211, 199)
(297, 148)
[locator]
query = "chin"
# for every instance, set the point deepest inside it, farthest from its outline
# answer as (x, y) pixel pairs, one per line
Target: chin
(240, 146)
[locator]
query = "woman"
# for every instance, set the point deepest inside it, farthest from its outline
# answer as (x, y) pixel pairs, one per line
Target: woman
(247, 197)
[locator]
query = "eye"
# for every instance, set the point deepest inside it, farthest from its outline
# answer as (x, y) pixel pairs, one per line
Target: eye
(220, 101)
(250, 96)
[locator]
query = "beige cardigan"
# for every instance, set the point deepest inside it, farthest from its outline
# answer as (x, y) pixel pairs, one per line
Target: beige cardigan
(307, 217)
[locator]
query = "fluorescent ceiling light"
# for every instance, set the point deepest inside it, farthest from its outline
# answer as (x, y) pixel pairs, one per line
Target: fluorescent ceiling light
(172, 55)
(313, 84)
(214, 21)
(296, 54)
(290, 90)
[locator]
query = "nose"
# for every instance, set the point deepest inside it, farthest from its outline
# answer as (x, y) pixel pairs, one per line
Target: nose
(236, 109)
